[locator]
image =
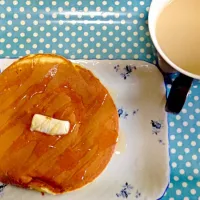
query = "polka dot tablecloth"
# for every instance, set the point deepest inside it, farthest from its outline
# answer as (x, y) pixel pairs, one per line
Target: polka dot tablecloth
(105, 29)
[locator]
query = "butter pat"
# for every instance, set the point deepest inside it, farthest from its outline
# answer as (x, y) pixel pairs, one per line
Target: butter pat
(49, 125)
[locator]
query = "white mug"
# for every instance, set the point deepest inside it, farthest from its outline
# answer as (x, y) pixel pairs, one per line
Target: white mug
(182, 83)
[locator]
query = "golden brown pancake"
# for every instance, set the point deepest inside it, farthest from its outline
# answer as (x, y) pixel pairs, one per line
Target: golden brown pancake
(52, 86)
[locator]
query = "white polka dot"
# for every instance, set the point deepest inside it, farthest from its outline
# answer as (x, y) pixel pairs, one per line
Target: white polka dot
(22, 22)
(174, 165)
(9, 9)
(171, 198)
(98, 44)
(41, 28)
(72, 57)
(197, 110)
(15, 40)
(15, 3)
(9, 34)
(35, 22)
(181, 171)
(178, 192)
(34, 46)
(191, 117)
(196, 98)
(173, 150)
(198, 184)
(135, 9)
(85, 45)
(55, 40)
(104, 50)
(141, 3)
(129, 15)
(179, 143)
(117, 3)
(148, 56)
(184, 110)
(41, 40)
(21, 46)
(194, 157)
(186, 137)
(53, 3)
(193, 143)
(141, 39)
(60, 46)
(60, 22)
(129, 39)
(187, 150)
(180, 157)
(79, 51)
(188, 164)
(192, 130)
(54, 15)
(1, 52)
(110, 9)
(48, 34)
(47, 46)
(98, 56)
(28, 52)
(141, 15)
(110, 44)
(129, 3)
(85, 56)
(129, 50)
(135, 21)
(186, 198)
(110, 56)
(190, 104)
(9, 22)
(193, 191)
(171, 185)
(190, 178)
(73, 45)
(66, 51)
(123, 21)
(135, 33)
(8, 46)
(185, 123)
(67, 28)
(123, 56)
(178, 117)
(135, 44)
(196, 171)
(16, 28)
(136, 56)
(178, 130)
(142, 51)
(28, 40)
(67, 3)
(172, 137)
(41, 51)
(198, 123)
(91, 50)
(184, 184)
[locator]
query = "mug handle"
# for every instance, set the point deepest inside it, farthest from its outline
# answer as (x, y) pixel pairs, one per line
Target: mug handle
(178, 94)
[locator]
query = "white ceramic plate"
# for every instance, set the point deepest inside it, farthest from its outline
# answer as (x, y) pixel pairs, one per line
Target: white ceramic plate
(139, 169)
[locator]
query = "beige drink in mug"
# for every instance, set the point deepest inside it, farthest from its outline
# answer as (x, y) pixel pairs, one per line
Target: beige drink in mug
(175, 30)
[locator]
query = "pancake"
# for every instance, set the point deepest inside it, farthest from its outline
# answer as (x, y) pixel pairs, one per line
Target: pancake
(51, 85)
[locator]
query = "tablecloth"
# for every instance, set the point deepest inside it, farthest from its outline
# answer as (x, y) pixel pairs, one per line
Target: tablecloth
(107, 29)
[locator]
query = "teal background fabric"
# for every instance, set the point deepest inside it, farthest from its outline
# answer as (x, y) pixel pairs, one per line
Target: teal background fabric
(105, 30)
